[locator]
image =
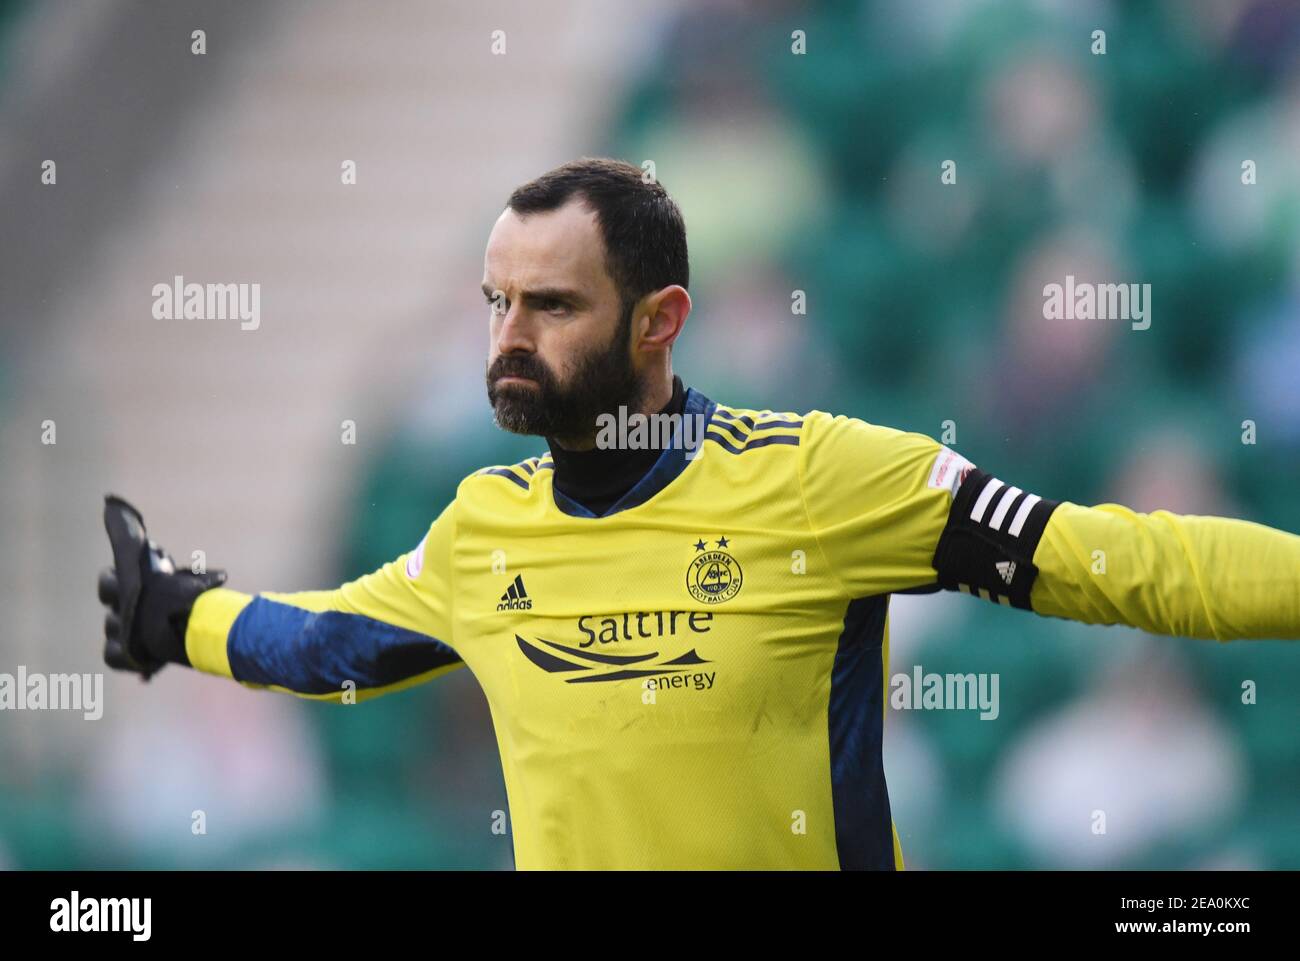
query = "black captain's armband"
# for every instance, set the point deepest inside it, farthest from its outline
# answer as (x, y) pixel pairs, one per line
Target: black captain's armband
(987, 547)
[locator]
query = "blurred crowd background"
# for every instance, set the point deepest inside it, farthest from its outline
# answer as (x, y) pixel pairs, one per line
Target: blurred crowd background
(816, 171)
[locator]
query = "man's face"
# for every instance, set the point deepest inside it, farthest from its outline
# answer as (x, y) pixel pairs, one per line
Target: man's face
(559, 354)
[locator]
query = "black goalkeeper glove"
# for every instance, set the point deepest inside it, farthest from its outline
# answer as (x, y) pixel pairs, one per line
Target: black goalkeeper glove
(148, 599)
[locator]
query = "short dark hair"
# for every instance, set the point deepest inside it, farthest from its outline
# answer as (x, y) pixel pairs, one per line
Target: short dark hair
(641, 226)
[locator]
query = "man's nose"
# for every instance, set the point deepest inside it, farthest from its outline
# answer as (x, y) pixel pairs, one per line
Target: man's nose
(516, 333)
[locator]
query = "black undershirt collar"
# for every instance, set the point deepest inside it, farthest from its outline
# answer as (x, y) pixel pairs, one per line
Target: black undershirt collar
(597, 478)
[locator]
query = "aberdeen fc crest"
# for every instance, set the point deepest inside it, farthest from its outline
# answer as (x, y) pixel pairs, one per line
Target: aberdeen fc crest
(714, 575)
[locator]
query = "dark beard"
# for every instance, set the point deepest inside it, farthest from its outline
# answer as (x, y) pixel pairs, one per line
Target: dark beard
(603, 380)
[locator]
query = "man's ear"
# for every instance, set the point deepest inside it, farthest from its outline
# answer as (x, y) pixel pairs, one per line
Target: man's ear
(661, 317)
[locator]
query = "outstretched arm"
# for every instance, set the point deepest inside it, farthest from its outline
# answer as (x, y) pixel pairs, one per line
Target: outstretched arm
(382, 632)
(1166, 573)
(897, 512)
(1186, 575)
(371, 636)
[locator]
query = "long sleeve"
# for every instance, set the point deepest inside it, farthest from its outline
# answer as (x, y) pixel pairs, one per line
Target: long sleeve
(383, 632)
(899, 512)
(1185, 575)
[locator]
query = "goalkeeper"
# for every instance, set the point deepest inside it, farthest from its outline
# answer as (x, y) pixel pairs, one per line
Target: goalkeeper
(678, 612)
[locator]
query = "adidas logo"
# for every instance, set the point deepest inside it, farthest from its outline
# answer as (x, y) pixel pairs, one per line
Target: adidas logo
(516, 598)
(1006, 569)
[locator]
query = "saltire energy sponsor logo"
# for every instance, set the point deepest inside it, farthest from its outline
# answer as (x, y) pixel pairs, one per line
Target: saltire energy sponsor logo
(593, 666)
(587, 662)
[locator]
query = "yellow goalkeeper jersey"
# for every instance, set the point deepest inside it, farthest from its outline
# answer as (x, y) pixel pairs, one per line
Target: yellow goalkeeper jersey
(697, 678)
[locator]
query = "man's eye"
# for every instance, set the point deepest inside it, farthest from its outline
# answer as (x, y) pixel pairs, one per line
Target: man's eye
(550, 305)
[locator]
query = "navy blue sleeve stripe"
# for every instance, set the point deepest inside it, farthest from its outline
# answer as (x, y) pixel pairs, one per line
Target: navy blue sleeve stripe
(751, 442)
(316, 652)
(774, 439)
(722, 441)
(507, 472)
(742, 418)
(732, 429)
